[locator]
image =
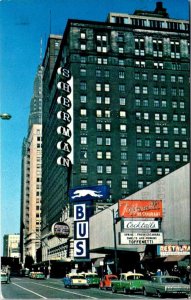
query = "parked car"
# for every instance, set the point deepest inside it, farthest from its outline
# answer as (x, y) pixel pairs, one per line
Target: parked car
(105, 283)
(75, 280)
(165, 286)
(39, 275)
(128, 282)
(92, 278)
(4, 277)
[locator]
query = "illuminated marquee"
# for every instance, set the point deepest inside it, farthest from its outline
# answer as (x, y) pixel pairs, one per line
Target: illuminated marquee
(65, 115)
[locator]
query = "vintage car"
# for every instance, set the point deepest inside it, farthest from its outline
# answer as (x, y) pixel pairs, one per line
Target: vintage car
(4, 277)
(165, 286)
(75, 280)
(128, 283)
(92, 278)
(39, 275)
(105, 283)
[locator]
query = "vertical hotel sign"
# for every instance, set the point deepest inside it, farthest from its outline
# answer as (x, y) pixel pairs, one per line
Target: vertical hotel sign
(65, 114)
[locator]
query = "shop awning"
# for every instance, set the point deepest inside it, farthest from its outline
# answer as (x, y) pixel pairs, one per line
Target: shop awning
(174, 258)
(110, 250)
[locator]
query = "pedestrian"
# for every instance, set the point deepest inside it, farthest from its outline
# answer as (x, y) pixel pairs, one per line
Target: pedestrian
(166, 272)
(175, 271)
(9, 273)
(158, 272)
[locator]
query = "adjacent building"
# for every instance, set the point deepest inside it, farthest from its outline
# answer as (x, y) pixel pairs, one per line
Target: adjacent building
(130, 85)
(11, 244)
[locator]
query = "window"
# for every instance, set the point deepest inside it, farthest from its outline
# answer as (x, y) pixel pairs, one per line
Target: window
(108, 155)
(147, 143)
(148, 171)
(157, 129)
(99, 141)
(83, 99)
(158, 143)
(108, 127)
(108, 169)
(108, 141)
(123, 127)
(98, 87)
(175, 117)
(137, 76)
(138, 129)
(146, 129)
(140, 184)
(139, 156)
(137, 102)
(176, 144)
(83, 126)
(140, 170)
(176, 130)
(165, 130)
(155, 90)
(121, 62)
(158, 157)
(145, 90)
(184, 144)
(98, 113)
(83, 72)
(145, 102)
(83, 154)
(107, 113)
(83, 140)
(99, 155)
(83, 168)
(98, 100)
(156, 103)
(98, 73)
(83, 86)
(123, 169)
(173, 78)
(182, 118)
(121, 74)
(166, 157)
(83, 46)
(155, 77)
(139, 143)
(183, 131)
(177, 157)
(123, 155)
(145, 76)
(121, 88)
(107, 100)
(137, 89)
(122, 114)
(147, 156)
(106, 73)
(185, 157)
(106, 87)
(159, 171)
(99, 169)
(82, 35)
(83, 112)
(124, 184)
(157, 117)
(123, 141)
(167, 171)
(83, 182)
(121, 49)
(165, 143)
(180, 79)
(122, 101)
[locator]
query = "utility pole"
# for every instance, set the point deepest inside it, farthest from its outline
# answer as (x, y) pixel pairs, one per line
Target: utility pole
(115, 244)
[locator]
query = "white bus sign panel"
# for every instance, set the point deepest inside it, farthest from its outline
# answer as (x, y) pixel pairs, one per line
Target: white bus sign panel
(150, 238)
(81, 231)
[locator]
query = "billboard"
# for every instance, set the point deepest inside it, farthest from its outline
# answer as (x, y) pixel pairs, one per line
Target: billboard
(140, 225)
(89, 193)
(61, 230)
(165, 250)
(140, 208)
(135, 238)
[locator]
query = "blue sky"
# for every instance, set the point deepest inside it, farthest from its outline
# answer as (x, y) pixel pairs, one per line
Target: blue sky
(22, 25)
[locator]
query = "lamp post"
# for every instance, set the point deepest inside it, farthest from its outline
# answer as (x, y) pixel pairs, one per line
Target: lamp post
(5, 116)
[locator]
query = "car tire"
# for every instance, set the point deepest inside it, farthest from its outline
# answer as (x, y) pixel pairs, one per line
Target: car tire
(145, 293)
(159, 295)
(113, 289)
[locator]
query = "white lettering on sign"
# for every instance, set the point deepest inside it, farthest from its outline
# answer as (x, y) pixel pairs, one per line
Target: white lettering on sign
(141, 224)
(64, 101)
(82, 230)
(64, 72)
(80, 248)
(80, 212)
(141, 238)
(65, 131)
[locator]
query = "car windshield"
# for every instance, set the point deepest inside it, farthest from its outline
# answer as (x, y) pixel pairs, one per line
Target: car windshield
(171, 280)
(134, 277)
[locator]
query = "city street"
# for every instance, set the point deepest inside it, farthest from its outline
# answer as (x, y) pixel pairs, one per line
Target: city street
(25, 288)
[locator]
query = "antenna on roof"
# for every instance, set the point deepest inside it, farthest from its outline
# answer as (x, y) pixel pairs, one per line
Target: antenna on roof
(50, 22)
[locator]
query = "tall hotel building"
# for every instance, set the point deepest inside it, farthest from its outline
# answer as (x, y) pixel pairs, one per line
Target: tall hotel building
(130, 106)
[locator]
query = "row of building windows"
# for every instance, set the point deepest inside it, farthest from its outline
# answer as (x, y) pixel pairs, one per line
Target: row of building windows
(138, 102)
(137, 63)
(146, 116)
(163, 91)
(137, 76)
(147, 142)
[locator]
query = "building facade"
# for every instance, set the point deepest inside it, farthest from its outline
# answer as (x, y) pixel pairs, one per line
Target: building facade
(130, 108)
(31, 176)
(11, 244)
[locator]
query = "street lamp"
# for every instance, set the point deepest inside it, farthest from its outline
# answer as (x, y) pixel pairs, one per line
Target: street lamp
(5, 116)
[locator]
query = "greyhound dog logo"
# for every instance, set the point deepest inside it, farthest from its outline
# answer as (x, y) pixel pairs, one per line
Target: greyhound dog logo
(84, 193)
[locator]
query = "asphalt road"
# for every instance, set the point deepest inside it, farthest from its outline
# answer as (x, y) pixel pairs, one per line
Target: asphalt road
(26, 288)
